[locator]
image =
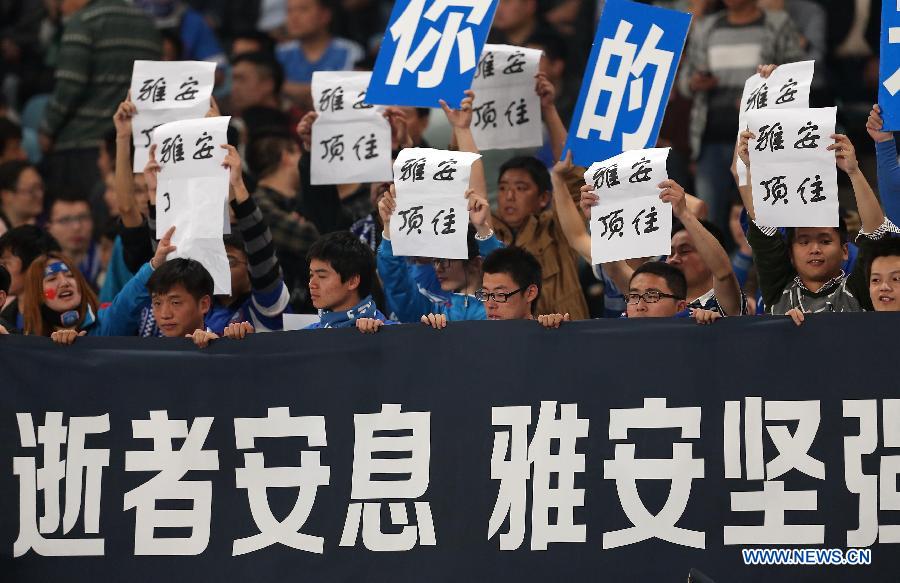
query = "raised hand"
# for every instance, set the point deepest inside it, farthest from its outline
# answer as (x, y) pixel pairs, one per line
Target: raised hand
(122, 117)
(163, 249)
(460, 118)
(844, 154)
(304, 130)
(875, 124)
(386, 207)
(673, 193)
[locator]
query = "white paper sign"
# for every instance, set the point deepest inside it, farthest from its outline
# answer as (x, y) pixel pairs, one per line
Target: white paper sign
(163, 92)
(431, 219)
(507, 111)
(298, 321)
(787, 87)
(351, 140)
(192, 190)
(794, 176)
(630, 221)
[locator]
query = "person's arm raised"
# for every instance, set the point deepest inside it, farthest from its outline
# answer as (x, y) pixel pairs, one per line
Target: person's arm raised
(570, 220)
(124, 176)
(866, 203)
(725, 284)
(461, 122)
(888, 167)
(555, 126)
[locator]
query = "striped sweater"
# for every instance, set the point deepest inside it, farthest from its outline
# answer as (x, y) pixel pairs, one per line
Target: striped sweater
(99, 46)
(269, 295)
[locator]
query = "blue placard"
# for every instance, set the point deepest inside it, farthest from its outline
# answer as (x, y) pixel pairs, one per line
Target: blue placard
(627, 81)
(430, 51)
(889, 66)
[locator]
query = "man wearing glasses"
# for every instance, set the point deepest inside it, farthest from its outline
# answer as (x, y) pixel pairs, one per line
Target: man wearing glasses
(511, 284)
(656, 290)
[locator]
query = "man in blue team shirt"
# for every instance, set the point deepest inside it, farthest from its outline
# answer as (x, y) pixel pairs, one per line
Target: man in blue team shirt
(312, 48)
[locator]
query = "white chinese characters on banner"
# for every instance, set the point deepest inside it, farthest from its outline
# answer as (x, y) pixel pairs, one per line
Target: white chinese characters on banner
(163, 92)
(867, 485)
(507, 111)
(793, 175)
(369, 486)
(431, 218)
(630, 221)
(792, 447)
(351, 140)
(257, 479)
(512, 461)
(80, 466)
(169, 484)
(681, 470)
(787, 87)
(192, 192)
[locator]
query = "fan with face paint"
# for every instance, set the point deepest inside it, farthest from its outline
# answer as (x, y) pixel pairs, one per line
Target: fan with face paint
(56, 296)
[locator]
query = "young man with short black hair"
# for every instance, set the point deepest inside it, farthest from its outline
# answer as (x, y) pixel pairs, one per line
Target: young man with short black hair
(181, 292)
(656, 290)
(341, 280)
(256, 81)
(511, 284)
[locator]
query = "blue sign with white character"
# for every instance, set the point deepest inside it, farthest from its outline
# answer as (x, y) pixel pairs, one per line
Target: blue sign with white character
(627, 81)
(430, 51)
(889, 66)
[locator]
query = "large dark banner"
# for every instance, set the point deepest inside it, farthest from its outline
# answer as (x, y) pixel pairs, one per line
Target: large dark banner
(601, 451)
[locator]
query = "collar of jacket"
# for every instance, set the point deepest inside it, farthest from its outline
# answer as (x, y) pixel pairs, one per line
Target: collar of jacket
(533, 233)
(826, 289)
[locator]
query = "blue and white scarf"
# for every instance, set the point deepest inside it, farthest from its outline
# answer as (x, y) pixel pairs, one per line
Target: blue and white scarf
(347, 319)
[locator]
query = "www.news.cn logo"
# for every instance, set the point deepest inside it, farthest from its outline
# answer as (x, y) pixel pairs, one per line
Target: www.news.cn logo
(807, 556)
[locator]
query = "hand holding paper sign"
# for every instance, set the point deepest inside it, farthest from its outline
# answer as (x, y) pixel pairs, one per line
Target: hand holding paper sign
(673, 193)
(845, 154)
(304, 130)
(151, 174)
(400, 137)
(232, 162)
(875, 126)
(460, 118)
(545, 91)
(386, 207)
